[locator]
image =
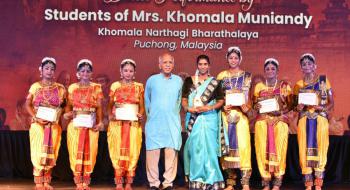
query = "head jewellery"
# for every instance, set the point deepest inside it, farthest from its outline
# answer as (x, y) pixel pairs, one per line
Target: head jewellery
(235, 49)
(125, 61)
(87, 61)
(51, 59)
(271, 60)
(308, 55)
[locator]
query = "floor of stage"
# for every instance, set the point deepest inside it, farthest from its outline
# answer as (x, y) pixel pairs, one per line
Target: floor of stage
(6, 184)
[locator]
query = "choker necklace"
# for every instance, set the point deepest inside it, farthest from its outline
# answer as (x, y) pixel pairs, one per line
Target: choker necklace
(127, 82)
(309, 80)
(48, 83)
(83, 84)
(237, 78)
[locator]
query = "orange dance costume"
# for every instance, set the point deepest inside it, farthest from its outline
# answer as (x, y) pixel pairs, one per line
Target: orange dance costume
(124, 136)
(271, 132)
(45, 139)
(82, 141)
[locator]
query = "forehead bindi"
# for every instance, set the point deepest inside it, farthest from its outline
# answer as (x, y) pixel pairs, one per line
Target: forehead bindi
(233, 55)
(128, 68)
(85, 68)
(270, 67)
(49, 66)
(307, 61)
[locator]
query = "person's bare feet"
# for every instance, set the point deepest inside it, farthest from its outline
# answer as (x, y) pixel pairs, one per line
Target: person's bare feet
(266, 188)
(276, 188)
(39, 186)
(47, 186)
(119, 187)
(128, 186)
(246, 187)
(79, 186)
(229, 187)
(86, 186)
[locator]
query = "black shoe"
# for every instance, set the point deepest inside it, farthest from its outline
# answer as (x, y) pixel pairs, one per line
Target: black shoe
(154, 188)
(169, 188)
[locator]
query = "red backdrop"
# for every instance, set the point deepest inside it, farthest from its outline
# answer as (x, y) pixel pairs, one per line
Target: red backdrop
(26, 37)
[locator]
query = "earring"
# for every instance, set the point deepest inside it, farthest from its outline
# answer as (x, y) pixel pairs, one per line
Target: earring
(208, 72)
(41, 72)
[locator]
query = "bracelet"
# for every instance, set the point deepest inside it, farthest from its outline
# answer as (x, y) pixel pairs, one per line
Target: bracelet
(255, 107)
(210, 108)
(65, 116)
(34, 119)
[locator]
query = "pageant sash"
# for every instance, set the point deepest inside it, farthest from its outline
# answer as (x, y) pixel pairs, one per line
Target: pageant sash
(205, 97)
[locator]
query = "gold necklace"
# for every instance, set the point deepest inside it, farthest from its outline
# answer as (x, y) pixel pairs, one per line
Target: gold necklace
(47, 94)
(84, 93)
(274, 86)
(307, 80)
(127, 83)
(45, 84)
(235, 76)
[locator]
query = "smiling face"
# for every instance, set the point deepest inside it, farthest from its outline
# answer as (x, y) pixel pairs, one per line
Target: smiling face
(166, 64)
(85, 73)
(270, 71)
(48, 71)
(203, 66)
(127, 72)
(233, 60)
(307, 66)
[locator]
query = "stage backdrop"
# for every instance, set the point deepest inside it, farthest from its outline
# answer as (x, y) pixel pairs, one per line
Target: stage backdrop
(108, 31)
